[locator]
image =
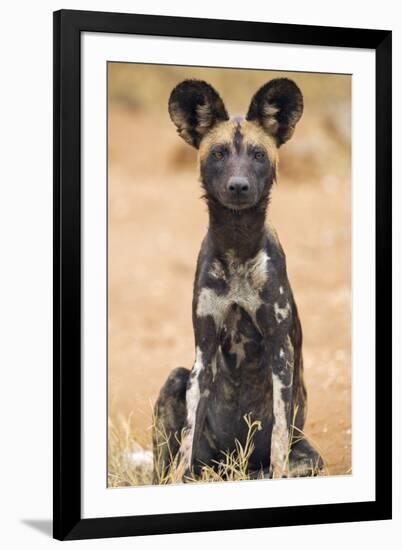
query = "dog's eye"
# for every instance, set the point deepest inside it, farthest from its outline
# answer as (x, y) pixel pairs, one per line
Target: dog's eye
(218, 155)
(259, 155)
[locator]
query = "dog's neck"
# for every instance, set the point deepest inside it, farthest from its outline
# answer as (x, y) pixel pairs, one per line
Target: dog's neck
(241, 231)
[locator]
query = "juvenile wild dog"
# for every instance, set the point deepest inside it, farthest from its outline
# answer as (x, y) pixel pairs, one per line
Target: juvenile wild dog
(248, 338)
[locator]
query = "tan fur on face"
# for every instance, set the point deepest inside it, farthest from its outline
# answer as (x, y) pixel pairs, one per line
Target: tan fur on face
(253, 134)
(220, 134)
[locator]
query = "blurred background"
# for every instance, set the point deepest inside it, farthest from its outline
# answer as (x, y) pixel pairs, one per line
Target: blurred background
(157, 221)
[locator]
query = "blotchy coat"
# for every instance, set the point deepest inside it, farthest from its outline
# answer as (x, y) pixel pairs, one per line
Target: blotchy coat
(248, 337)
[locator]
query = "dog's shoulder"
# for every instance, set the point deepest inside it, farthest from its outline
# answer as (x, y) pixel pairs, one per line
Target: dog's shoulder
(274, 247)
(205, 256)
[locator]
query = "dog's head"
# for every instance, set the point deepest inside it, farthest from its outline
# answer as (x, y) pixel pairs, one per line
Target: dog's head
(238, 156)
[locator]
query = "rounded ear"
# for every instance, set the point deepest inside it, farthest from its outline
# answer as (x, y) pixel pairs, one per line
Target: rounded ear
(277, 107)
(195, 107)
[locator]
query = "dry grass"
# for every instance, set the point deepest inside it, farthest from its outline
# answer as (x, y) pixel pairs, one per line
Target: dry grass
(124, 470)
(130, 464)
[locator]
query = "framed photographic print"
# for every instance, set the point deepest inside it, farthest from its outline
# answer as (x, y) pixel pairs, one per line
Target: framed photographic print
(222, 225)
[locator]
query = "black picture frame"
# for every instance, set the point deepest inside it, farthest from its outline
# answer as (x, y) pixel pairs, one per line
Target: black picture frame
(68, 26)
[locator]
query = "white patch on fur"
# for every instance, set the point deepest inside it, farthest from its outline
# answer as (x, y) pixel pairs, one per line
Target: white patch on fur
(217, 270)
(280, 433)
(290, 350)
(281, 290)
(209, 303)
(281, 353)
(281, 313)
(192, 400)
(237, 339)
(245, 282)
(237, 348)
(254, 271)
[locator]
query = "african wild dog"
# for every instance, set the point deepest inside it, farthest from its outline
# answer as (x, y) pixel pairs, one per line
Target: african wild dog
(248, 338)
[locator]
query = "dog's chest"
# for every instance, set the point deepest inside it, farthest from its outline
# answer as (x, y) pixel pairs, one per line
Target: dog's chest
(234, 283)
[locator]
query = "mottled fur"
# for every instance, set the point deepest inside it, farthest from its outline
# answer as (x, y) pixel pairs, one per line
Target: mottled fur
(247, 330)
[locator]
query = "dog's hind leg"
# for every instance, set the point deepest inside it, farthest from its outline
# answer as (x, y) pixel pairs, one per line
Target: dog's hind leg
(169, 421)
(304, 460)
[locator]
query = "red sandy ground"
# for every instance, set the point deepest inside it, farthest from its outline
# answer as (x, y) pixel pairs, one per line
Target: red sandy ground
(156, 223)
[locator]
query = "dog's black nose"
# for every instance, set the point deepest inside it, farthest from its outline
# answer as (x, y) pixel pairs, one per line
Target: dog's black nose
(238, 185)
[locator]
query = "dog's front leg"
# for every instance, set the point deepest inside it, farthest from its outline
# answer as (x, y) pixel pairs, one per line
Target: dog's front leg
(274, 323)
(199, 388)
(282, 361)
